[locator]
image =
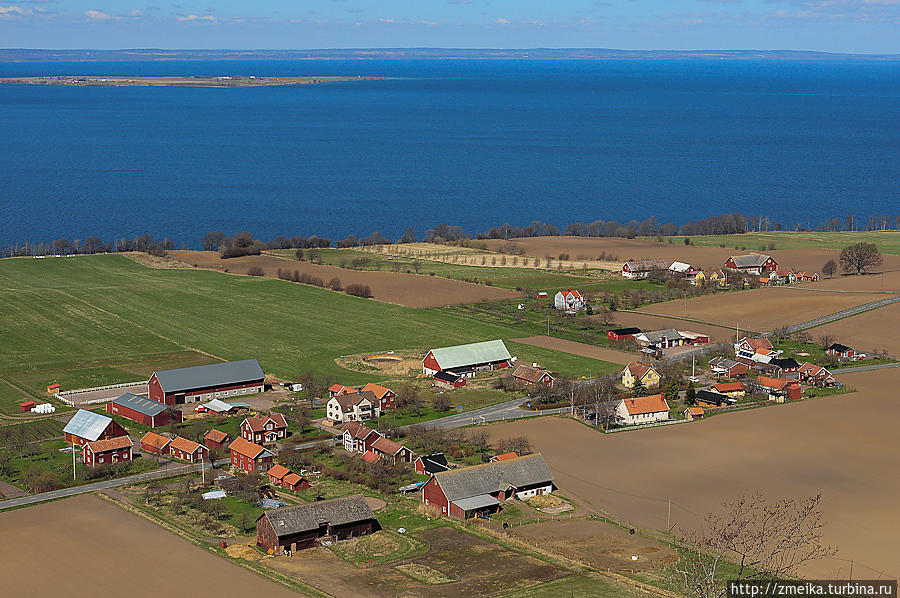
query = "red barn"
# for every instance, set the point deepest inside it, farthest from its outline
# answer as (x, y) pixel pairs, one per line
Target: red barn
(753, 263)
(467, 360)
(26, 406)
(207, 382)
(105, 452)
(156, 444)
(250, 457)
(143, 410)
(264, 429)
(188, 450)
(620, 334)
(87, 426)
(216, 439)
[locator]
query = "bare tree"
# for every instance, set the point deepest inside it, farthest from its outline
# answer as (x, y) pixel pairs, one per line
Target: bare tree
(860, 257)
(829, 268)
(763, 539)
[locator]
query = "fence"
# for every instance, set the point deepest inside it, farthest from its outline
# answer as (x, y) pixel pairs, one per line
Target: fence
(668, 422)
(63, 396)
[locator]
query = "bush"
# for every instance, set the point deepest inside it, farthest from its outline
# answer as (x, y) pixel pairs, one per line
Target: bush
(255, 271)
(334, 284)
(359, 290)
(687, 240)
(236, 251)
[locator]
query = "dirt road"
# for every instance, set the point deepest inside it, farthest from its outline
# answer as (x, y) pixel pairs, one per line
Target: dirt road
(576, 348)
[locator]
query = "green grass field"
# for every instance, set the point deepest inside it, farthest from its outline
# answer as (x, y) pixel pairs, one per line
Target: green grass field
(62, 314)
(10, 397)
(887, 241)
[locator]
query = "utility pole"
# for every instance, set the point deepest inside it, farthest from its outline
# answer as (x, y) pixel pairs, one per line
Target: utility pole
(73, 459)
(548, 324)
(669, 517)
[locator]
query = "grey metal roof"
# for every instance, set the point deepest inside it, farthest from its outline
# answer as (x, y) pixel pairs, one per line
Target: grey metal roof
(205, 376)
(493, 477)
(723, 362)
(753, 260)
(476, 502)
(140, 404)
(471, 354)
(87, 424)
(308, 517)
(219, 406)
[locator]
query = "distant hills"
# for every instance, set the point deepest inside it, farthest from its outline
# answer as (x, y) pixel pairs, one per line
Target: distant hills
(150, 54)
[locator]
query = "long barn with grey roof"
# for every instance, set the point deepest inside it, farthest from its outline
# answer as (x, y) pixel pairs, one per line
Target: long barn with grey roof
(141, 409)
(294, 528)
(206, 382)
(466, 360)
(478, 490)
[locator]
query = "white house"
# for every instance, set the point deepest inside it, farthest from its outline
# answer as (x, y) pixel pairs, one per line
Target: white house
(351, 407)
(642, 410)
(569, 300)
(759, 349)
(643, 268)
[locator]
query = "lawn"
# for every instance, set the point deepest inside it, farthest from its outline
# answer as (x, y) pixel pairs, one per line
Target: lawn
(106, 309)
(887, 241)
(10, 397)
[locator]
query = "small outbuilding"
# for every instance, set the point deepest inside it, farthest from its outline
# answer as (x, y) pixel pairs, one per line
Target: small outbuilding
(620, 334)
(530, 376)
(429, 464)
(216, 439)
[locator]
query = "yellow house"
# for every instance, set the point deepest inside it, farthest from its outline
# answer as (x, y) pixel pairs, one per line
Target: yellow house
(731, 389)
(640, 371)
(698, 278)
(716, 277)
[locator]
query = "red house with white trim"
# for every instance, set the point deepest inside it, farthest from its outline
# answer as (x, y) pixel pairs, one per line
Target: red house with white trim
(87, 426)
(249, 457)
(264, 429)
(156, 444)
(753, 263)
(188, 450)
(108, 451)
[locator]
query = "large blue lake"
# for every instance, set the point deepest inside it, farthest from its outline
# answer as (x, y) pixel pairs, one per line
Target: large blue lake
(469, 142)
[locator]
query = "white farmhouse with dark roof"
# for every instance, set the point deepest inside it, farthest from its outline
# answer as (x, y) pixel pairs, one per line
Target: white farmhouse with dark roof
(205, 382)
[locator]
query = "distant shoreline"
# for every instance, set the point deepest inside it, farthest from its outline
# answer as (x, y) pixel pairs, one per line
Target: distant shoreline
(210, 81)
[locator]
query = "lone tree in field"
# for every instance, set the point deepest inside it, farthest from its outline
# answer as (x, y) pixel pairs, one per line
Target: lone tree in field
(829, 268)
(751, 539)
(860, 257)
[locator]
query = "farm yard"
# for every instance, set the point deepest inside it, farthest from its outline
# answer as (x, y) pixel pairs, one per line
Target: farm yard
(391, 287)
(768, 451)
(124, 543)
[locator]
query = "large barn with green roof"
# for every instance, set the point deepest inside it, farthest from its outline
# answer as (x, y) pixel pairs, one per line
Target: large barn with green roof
(467, 360)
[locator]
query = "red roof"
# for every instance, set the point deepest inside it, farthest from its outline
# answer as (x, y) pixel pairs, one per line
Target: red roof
(155, 440)
(639, 370)
(278, 471)
(336, 388)
(357, 430)
(641, 405)
(110, 444)
(370, 457)
(774, 383)
(506, 457)
(216, 436)
(568, 292)
(387, 446)
(185, 445)
(378, 389)
(758, 343)
(729, 386)
(695, 411)
(246, 448)
(291, 479)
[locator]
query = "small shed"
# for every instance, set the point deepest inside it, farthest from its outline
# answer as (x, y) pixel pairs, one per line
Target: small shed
(26, 406)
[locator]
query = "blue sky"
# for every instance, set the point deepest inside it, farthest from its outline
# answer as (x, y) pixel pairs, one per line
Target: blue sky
(858, 26)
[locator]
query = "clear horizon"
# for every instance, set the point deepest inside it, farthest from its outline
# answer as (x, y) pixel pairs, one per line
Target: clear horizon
(836, 26)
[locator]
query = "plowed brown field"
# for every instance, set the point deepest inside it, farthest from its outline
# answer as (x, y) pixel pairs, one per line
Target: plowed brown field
(829, 445)
(762, 309)
(392, 287)
(874, 330)
(86, 547)
(576, 348)
(717, 334)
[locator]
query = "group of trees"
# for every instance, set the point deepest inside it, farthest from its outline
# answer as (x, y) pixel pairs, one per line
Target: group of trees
(858, 258)
(91, 245)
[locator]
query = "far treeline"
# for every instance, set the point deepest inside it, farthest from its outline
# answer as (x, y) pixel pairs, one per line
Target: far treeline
(243, 243)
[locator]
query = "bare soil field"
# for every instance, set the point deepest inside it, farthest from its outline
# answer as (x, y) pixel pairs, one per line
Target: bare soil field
(762, 309)
(717, 334)
(597, 543)
(889, 282)
(392, 287)
(576, 348)
(482, 568)
(874, 330)
(85, 547)
(791, 450)
(592, 248)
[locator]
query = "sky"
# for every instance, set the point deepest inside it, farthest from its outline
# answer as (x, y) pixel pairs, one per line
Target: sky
(854, 26)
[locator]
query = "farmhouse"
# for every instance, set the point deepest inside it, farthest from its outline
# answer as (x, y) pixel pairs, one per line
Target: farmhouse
(188, 450)
(467, 360)
(683, 269)
(295, 482)
(620, 334)
(429, 464)
(87, 426)
(296, 528)
(777, 389)
(568, 300)
(731, 389)
(661, 338)
(385, 398)
(783, 276)
(276, 474)
(779, 366)
(156, 444)
(808, 276)
(530, 376)
(640, 371)
(477, 490)
(143, 410)
(642, 410)
(755, 349)
(643, 268)
(722, 366)
(391, 451)
(216, 439)
(708, 398)
(104, 452)
(249, 457)
(357, 438)
(815, 375)
(205, 382)
(753, 263)
(842, 351)
(352, 407)
(264, 429)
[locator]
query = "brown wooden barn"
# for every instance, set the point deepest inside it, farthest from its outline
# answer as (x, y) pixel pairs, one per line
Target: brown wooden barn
(295, 528)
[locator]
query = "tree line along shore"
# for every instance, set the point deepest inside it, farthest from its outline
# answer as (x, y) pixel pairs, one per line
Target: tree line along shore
(194, 81)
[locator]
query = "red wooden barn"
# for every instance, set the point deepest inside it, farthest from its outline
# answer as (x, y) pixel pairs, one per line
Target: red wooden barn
(249, 457)
(26, 406)
(87, 426)
(467, 360)
(620, 334)
(753, 263)
(207, 382)
(105, 452)
(143, 410)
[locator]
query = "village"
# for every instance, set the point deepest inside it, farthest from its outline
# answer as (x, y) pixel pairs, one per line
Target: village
(276, 468)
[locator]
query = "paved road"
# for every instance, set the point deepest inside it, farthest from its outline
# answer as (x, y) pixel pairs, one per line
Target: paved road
(864, 368)
(499, 412)
(843, 314)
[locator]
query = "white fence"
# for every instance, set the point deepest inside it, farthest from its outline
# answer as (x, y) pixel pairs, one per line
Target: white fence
(63, 396)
